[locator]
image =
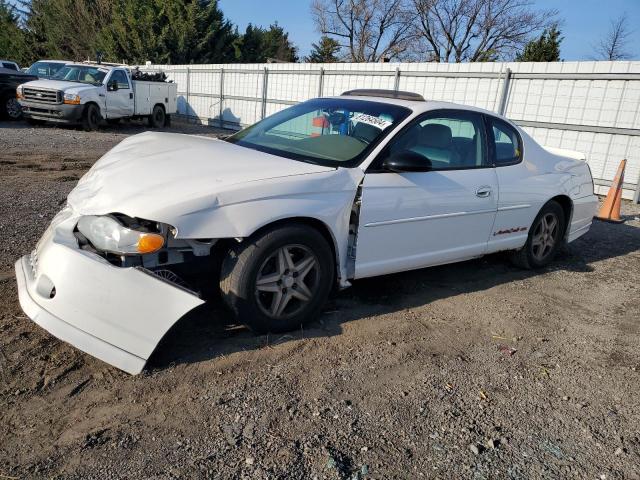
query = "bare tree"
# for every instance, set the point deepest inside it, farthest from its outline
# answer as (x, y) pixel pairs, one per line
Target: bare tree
(614, 45)
(476, 30)
(369, 30)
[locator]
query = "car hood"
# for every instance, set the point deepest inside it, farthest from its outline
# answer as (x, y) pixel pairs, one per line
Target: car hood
(69, 87)
(157, 175)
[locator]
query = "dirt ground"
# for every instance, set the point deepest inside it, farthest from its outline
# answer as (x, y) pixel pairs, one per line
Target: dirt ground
(477, 370)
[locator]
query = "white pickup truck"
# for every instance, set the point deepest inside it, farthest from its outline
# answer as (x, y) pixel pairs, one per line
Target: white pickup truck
(89, 93)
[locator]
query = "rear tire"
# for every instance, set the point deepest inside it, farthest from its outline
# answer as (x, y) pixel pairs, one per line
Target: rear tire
(279, 279)
(545, 238)
(158, 117)
(91, 118)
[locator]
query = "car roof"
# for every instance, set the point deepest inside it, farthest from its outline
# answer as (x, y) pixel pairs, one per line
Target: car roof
(53, 61)
(421, 106)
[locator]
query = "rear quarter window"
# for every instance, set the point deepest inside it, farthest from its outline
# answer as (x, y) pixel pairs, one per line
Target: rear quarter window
(506, 143)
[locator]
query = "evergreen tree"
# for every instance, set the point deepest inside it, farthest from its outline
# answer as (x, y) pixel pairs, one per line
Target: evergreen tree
(13, 43)
(544, 49)
(217, 35)
(324, 51)
(257, 45)
(250, 45)
(277, 46)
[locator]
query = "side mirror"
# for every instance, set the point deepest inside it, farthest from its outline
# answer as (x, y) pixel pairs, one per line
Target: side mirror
(112, 86)
(407, 161)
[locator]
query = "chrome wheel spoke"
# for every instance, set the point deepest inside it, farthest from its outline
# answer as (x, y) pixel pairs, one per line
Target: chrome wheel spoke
(302, 292)
(277, 307)
(304, 266)
(282, 288)
(269, 287)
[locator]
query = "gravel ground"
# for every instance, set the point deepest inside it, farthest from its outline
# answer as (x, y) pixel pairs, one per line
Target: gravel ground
(476, 370)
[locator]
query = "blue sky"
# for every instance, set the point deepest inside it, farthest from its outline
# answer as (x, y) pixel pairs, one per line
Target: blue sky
(584, 21)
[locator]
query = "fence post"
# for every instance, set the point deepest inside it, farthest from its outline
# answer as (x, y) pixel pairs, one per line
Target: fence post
(188, 90)
(502, 108)
(265, 85)
(321, 82)
(396, 85)
(220, 119)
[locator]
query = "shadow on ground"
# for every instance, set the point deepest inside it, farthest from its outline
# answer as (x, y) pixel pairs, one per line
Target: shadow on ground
(208, 332)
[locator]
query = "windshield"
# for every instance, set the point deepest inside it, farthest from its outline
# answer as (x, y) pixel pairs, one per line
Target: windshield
(325, 131)
(45, 69)
(81, 74)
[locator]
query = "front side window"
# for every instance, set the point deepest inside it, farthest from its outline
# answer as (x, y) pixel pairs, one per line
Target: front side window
(81, 74)
(507, 143)
(448, 140)
(326, 131)
(120, 78)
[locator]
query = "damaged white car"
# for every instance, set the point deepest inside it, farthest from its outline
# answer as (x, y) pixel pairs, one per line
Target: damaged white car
(325, 192)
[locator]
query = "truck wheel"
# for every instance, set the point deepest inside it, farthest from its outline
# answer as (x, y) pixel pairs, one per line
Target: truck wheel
(157, 117)
(91, 118)
(279, 279)
(10, 108)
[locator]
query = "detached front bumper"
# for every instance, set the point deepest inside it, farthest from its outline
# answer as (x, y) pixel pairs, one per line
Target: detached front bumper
(115, 314)
(52, 112)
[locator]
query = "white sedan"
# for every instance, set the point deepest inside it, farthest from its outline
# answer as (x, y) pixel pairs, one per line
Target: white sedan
(320, 194)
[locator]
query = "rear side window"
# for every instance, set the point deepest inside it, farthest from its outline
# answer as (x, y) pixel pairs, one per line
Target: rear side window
(10, 66)
(506, 142)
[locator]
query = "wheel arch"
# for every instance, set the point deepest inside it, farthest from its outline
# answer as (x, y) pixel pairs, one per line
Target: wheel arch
(312, 222)
(567, 207)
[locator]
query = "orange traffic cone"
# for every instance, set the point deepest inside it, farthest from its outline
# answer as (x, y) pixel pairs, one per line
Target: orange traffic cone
(610, 210)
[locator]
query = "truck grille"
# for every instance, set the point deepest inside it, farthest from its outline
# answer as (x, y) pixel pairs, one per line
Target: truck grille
(42, 95)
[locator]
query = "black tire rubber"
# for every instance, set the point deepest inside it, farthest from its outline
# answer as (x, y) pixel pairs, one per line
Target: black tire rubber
(91, 118)
(158, 117)
(524, 257)
(4, 107)
(167, 120)
(240, 269)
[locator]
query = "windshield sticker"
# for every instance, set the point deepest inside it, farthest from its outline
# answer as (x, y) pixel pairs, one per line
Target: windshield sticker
(373, 121)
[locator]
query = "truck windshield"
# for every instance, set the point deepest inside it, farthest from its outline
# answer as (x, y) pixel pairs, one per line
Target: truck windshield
(326, 131)
(81, 74)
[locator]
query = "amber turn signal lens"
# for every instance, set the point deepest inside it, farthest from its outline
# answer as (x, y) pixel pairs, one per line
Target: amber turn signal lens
(150, 242)
(72, 102)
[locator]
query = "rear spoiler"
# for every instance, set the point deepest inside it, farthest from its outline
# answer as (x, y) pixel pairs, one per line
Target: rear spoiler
(566, 153)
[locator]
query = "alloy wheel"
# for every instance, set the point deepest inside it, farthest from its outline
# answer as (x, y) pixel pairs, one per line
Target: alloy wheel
(545, 236)
(287, 281)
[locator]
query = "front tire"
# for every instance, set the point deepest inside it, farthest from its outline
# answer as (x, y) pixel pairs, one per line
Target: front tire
(278, 280)
(91, 118)
(545, 238)
(10, 108)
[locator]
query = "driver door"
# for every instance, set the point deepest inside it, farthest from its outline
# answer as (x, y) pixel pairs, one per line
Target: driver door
(411, 220)
(119, 95)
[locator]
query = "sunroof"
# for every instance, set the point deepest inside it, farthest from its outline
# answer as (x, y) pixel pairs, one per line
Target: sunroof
(378, 92)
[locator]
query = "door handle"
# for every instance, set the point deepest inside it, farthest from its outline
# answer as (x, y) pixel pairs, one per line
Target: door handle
(130, 95)
(483, 191)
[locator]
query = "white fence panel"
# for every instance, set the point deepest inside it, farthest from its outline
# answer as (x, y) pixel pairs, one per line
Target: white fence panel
(591, 107)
